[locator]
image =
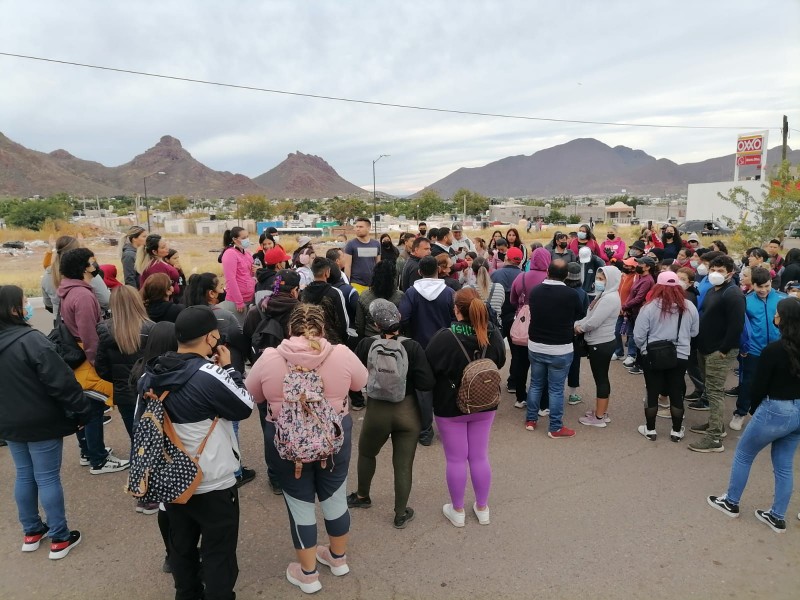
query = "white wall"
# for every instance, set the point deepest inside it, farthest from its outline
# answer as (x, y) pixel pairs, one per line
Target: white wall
(704, 203)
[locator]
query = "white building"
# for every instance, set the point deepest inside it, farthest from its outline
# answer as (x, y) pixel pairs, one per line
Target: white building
(704, 204)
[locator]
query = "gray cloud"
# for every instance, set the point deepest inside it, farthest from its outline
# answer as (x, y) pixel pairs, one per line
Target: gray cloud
(710, 63)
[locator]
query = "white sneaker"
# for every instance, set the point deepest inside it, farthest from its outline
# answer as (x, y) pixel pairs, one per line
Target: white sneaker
(85, 462)
(520, 404)
(629, 362)
(545, 412)
(737, 423)
(650, 434)
(456, 518)
(615, 356)
(677, 436)
(483, 515)
(112, 465)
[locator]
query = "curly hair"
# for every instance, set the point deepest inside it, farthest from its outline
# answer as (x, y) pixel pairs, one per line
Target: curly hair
(308, 321)
(384, 279)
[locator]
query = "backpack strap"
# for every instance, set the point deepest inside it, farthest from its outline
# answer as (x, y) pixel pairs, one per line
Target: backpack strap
(464, 350)
(205, 439)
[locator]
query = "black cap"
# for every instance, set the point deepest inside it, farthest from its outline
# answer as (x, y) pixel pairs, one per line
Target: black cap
(638, 244)
(194, 322)
(289, 279)
(646, 260)
(659, 253)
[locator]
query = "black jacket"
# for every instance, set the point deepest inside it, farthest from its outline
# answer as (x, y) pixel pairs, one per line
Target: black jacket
(129, 274)
(722, 319)
(448, 363)
(332, 301)
(114, 366)
(41, 399)
(410, 273)
(420, 375)
(164, 311)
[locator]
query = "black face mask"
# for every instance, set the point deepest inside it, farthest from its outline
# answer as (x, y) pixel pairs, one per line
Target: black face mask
(221, 296)
(96, 270)
(669, 236)
(562, 245)
(640, 270)
(611, 236)
(387, 244)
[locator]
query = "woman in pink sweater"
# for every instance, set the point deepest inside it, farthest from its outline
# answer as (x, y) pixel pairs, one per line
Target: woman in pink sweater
(613, 247)
(237, 267)
(340, 371)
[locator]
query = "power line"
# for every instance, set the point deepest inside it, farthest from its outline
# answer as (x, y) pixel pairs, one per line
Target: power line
(371, 102)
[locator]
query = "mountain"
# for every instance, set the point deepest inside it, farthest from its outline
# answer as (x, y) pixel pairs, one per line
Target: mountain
(588, 166)
(305, 176)
(25, 173)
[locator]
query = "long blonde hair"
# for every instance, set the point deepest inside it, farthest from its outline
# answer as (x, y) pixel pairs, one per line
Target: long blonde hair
(147, 253)
(63, 244)
(308, 321)
(483, 283)
(129, 315)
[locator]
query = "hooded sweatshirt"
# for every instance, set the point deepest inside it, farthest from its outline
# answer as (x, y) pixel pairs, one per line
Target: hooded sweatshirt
(525, 282)
(80, 312)
(110, 276)
(339, 369)
(598, 324)
(130, 276)
(50, 292)
(426, 308)
(199, 392)
(613, 249)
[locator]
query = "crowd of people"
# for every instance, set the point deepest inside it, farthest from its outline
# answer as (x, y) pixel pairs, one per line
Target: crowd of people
(415, 332)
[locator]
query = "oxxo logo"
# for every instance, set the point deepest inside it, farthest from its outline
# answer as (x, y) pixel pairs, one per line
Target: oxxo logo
(753, 144)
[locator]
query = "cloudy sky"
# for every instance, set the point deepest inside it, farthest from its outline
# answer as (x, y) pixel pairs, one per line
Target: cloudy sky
(723, 63)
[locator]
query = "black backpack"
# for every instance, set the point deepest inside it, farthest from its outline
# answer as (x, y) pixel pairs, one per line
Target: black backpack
(268, 334)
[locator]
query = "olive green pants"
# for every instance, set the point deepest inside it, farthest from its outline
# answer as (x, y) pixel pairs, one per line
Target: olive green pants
(715, 368)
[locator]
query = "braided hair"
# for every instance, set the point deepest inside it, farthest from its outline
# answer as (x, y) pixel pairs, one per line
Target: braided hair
(308, 321)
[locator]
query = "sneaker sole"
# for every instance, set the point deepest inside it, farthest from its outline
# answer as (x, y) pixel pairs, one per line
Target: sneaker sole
(675, 438)
(720, 509)
(520, 405)
(703, 432)
(485, 521)
(33, 547)
(707, 450)
(601, 424)
(768, 524)
(559, 437)
(454, 523)
(62, 553)
(308, 588)
(337, 571)
(699, 408)
(148, 511)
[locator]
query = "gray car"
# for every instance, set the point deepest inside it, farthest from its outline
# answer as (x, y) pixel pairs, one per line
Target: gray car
(708, 228)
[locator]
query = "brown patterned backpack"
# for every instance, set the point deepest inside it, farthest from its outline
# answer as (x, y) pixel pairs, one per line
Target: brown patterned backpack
(480, 383)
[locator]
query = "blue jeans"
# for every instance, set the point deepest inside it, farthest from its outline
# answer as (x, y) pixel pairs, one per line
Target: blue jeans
(555, 368)
(747, 370)
(38, 479)
(775, 422)
(91, 439)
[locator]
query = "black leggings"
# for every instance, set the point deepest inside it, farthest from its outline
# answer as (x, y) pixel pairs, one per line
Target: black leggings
(599, 361)
(400, 421)
(670, 380)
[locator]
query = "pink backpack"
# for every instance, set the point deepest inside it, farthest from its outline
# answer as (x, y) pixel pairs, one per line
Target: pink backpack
(308, 429)
(519, 328)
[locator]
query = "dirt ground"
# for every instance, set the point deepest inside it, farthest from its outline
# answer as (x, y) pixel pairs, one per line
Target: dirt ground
(605, 515)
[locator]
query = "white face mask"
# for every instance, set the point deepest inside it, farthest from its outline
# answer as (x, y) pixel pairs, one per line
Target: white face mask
(694, 264)
(716, 278)
(702, 270)
(685, 285)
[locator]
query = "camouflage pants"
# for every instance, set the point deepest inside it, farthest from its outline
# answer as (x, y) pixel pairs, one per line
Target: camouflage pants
(715, 368)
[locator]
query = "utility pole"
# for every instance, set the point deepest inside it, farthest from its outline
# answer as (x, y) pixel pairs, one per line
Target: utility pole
(465, 209)
(785, 137)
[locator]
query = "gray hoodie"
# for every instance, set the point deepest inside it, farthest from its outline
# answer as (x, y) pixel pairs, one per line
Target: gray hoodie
(599, 322)
(650, 327)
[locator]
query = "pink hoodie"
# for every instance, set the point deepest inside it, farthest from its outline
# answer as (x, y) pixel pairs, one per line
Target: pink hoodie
(240, 284)
(339, 368)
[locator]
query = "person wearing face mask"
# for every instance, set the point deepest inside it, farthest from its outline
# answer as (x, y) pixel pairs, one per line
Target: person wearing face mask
(585, 238)
(41, 403)
(613, 247)
(759, 331)
(559, 248)
(721, 324)
(671, 239)
(388, 250)
(52, 277)
(238, 270)
(645, 280)
(205, 396)
(637, 249)
(703, 283)
(685, 258)
(628, 269)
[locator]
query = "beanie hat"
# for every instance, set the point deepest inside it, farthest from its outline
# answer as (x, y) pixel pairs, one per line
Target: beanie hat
(385, 314)
(194, 322)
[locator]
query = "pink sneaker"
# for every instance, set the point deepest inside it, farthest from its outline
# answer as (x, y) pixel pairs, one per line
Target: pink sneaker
(564, 432)
(592, 421)
(606, 417)
(307, 583)
(338, 565)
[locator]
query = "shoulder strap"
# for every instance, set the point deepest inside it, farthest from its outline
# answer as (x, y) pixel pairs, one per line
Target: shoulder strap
(464, 350)
(205, 439)
(680, 318)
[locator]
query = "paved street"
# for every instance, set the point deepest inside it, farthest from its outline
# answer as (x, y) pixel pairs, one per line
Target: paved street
(606, 514)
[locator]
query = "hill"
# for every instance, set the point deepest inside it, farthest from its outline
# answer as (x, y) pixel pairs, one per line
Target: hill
(306, 176)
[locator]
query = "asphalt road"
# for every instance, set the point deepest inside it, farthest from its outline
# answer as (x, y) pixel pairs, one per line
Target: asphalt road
(606, 514)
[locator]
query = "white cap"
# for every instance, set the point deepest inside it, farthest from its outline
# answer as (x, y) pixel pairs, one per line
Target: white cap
(584, 255)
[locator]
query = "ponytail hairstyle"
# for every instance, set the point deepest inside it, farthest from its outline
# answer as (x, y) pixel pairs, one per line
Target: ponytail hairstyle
(197, 288)
(474, 312)
(133, 232)
(146, 255)
(230, 235)
(480, 266)
(308, 321)
(63, 245)
(129, 315)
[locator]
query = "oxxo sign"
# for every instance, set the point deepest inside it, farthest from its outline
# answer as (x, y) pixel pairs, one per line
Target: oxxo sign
(750, 149)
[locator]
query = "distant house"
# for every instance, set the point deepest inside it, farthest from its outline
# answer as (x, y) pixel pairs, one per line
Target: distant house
(620, 213)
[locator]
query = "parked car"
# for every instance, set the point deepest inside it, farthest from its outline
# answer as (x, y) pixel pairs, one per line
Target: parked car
(708, 228)
(793, 231)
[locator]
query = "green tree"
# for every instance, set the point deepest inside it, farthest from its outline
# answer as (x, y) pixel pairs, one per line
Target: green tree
(286, 209)
(32, 214)
(7, 206)
(762, 219)
(255, 207)
(308, 206)
(342, 209)
(477, 204)
(625, 199)
(428, 203)
(556, 215)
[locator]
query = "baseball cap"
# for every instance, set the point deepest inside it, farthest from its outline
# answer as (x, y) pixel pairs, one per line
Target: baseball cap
(646, 260)
(631, 262)
(385, 314)
(574, 271)
(793, 285)
(659, 253)
(303, 240)
(668, 278)
(457, 227)
(584, 255)
(194, 322)
(514, 254)
(289, 279)
(693, 238)
(276, 255)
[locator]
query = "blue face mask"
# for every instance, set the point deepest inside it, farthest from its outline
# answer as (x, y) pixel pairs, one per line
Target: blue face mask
(28, 312)
(245, 244)
(599, 286)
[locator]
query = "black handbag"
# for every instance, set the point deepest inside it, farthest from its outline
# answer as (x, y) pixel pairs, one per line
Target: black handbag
(66, 345)
(663, 354)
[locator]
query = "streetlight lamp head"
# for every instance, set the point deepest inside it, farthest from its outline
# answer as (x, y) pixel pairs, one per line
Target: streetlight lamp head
(161, 173)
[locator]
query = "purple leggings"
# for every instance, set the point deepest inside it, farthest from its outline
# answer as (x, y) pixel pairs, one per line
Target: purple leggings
(466, 440)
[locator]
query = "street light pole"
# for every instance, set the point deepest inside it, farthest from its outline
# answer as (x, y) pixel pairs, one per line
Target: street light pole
(146, 202)
(375, 197)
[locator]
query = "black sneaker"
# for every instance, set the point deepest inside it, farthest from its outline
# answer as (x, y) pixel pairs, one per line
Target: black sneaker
(31, 540)
(275, 487)
(60, 548)
(733, 392)
(699, 405)
(635, 370)
(722, 504)
(246, 476)
(357, 404)
(777, 525)
(695, 395)
(3, 443)
(511, 389)
(426, 439)
(353, 501)
(401, 521)
(106, 419)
